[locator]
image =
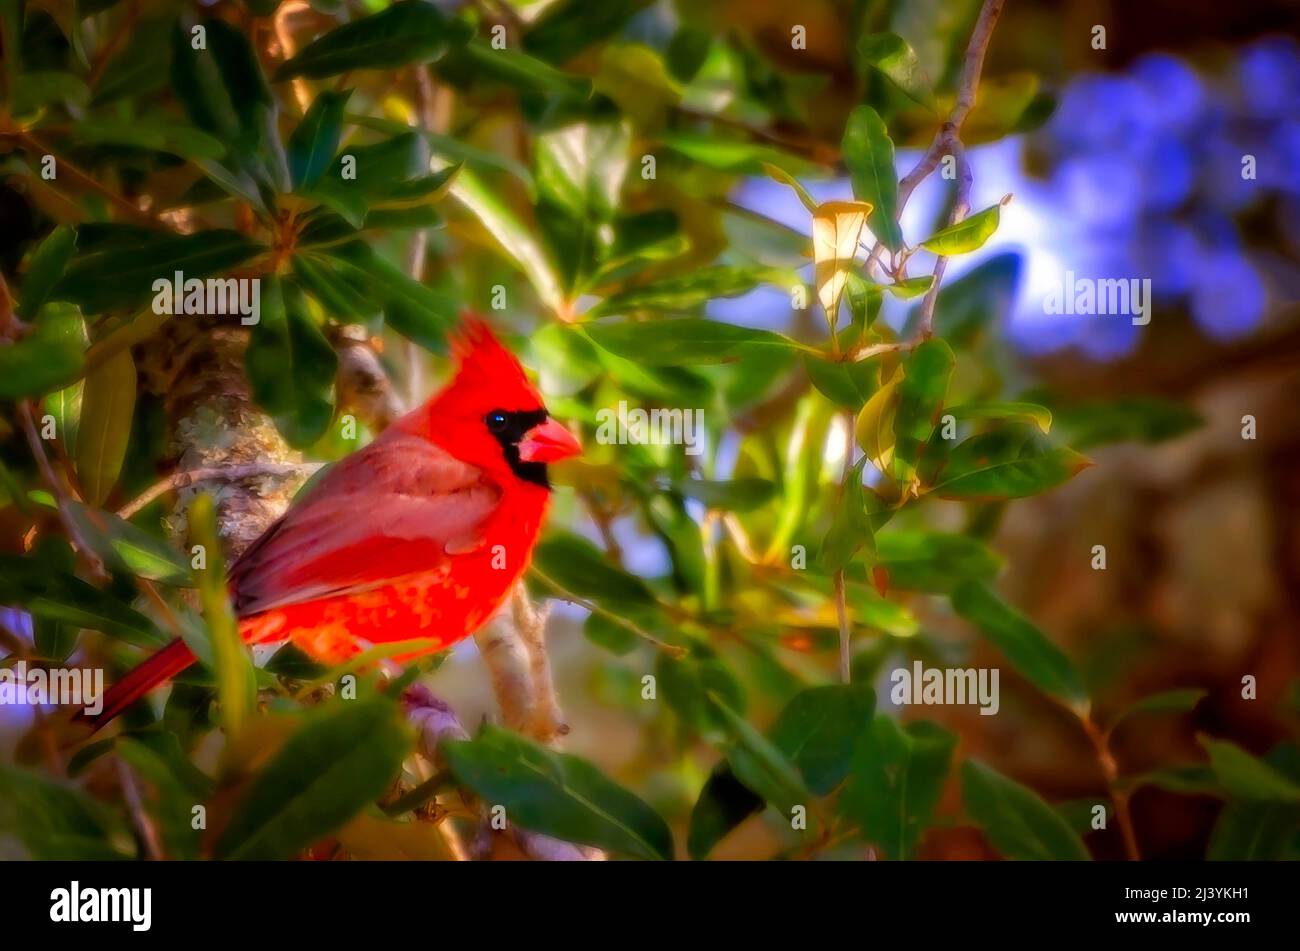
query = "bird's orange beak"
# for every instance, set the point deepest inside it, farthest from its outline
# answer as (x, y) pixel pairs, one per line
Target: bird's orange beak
(548, 442)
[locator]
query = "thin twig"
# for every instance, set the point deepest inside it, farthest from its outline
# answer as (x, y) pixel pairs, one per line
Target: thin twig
(60, 490)
(128, 209)
(671, 649)
(182, 480)
(1110, 770)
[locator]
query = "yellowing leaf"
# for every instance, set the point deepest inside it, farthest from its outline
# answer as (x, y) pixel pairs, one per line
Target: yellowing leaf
(875, 425)
(837, 230)
(108, 403)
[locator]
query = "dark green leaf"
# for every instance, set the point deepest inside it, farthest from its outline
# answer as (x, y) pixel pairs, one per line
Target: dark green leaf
(1248, 777)
(314, 142)
(44, 269)
(53, 821)
(122, 271)
(61, 596)
(931, 561)
(326, 773)
(291, 365)
(1036, 658)
(582, 568)
(1169, 701)
(819, 730)
(409, 31)
(1016, 820)
(895, 780)
(557, 794)
(850, 529)
(869, 155)
(920, 396)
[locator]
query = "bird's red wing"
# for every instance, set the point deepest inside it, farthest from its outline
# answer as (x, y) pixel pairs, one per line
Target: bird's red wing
(398, 507)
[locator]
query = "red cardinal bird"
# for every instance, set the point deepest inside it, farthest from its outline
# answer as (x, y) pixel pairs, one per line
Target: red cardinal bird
(422, 533)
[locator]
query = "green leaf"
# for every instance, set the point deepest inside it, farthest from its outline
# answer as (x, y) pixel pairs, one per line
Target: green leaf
(580, 170)
(785, 178)
(570, 26)
(331, 286)
(920, 396)
(1040, 416)
(759, 765)
(44, 268)
(1140, 419)
(154, 134)
(158, 760)
(61, 596)
(895, 780)
(736, 495)
(967, 235)
(1036, 658)
(687, 291)
(314, 142)
(911, 287)
(680, 342)
(869, 155)
(48, 358)
(478, 61)
(850, 529)
(558, 795)
(933, 561)
(236, 683)
(1247, 776)
(1180, 700)
(327, 772)
(892, 56)
(126, 547)
(736, 156)
(514, 238)
(55, 822)
(1016, 820)
(107, 408)
(291, 365)
(1260, 830)
(414, 310)
(819, 729)
(43, 88)
(1189, 780)
(724, 803)
(121, 269)
(225, 94)
(1012, 478)
(582, 568)
(847, 384)
(141, 66)
(409, 31)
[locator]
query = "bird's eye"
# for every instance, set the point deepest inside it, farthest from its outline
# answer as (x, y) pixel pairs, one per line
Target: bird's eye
(496, 421)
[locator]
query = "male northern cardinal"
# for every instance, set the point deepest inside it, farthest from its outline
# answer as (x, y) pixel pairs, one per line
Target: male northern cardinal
(422, 533)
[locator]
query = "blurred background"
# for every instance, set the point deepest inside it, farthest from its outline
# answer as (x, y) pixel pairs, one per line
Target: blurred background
(1123, 161)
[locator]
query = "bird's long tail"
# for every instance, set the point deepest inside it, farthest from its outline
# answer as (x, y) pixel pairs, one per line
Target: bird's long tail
(164, 665)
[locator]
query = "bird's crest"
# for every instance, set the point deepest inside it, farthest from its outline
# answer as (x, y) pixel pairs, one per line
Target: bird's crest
(485, 365)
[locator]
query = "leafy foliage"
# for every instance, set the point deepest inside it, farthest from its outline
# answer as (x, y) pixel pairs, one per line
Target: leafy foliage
(393, 166)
